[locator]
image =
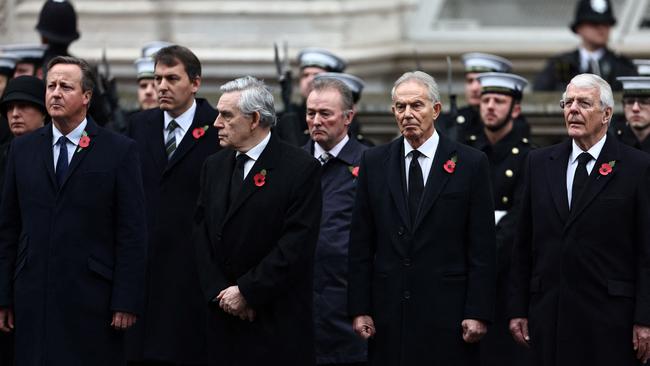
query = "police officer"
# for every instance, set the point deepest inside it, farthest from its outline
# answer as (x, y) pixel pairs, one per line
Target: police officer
(292, 126)
(506, 147)
(593, 21)
(465, 126)
(634, 129)
(57, 25)
(356, 85)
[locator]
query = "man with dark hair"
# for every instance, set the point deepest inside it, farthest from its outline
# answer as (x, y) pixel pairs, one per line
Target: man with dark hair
(72, 233)
(330, 111)
(174, 140)
(592, 23)
(256, 228)
(422, 251)
(634, 129)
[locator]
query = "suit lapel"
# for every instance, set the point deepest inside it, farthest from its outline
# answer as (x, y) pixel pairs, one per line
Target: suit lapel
(437, 178)
(397, 180)
(155, 140)
(80, 153)
(596, 181)
(189, 141)
(266, 161)
(222, 185)
(47, 146)
(556, 168)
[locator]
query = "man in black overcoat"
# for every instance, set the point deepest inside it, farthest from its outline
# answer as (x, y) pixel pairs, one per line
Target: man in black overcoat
(580, 281)
(422, 260)
(173, 140)
(72, 232)
(256, 230)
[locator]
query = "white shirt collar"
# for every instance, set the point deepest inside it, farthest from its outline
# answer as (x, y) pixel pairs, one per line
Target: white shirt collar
(594, 151)
(335, 151)
(256, 151)
(597, 54)
(184, 120)
(74, 136)
(427, 149)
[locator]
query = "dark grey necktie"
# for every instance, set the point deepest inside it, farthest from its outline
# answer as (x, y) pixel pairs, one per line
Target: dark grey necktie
(170, 143)
(580, 177)
(416, 185)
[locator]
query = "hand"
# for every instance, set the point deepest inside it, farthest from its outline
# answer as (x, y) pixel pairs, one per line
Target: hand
(123, 321)
(6, 320)
(232, 301)
(364, 326)
(641, 342)
(473, 330)
(519, 331)
(247, 314)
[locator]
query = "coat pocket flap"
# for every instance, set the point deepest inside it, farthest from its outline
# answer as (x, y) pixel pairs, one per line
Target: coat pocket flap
(621, 288)
(100, 268)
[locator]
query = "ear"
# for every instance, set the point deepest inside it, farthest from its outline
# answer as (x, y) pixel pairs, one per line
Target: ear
(516, 111)
(437, 108)
(349, 115)
(196, 84)
(607, 116)
(255, 120)
(87, 95)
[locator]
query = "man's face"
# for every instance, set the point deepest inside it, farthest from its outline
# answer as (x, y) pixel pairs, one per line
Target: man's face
(235, 127)
(24, 117)
(414, 111)
(594, 35)
(147, 94)
(637, 112)
(495, 110)
(472, 89)
(24, 68)
(306, 77)
(327, 119)
(64, 98)
(585, 117)
(175, 89)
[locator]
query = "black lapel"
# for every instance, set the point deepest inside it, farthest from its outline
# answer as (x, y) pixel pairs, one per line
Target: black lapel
(80, 153)
(397, 180)
(556, 174)
(266, 161)
(437, 178)
(188, 142)
(596, 181)
(155, 138)
(47, 146)
(222, 185)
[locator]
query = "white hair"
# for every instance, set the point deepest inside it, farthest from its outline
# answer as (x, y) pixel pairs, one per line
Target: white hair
(596, 82)
(423, 78)
(255, 97)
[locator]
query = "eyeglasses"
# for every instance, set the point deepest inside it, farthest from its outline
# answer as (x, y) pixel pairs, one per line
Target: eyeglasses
(582, 103)
(643, 101)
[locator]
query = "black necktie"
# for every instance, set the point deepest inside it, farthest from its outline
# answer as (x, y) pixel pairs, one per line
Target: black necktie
(62, 161)
(580, 177)
(237, 178)
(416, 184)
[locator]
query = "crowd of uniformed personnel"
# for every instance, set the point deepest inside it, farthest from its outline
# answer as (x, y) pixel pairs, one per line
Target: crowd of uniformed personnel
(492, 121)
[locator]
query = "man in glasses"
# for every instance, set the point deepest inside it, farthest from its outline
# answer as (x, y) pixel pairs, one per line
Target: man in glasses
(634, 130)
(580, 280)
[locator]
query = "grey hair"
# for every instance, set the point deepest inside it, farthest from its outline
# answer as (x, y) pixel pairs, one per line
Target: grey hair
(338, 85)
(596, 82)
(255, 97)
(423, 78)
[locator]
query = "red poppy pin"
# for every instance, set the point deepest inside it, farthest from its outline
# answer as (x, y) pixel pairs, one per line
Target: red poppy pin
(198, 132)
(84, 141)
(260, 178)
(607, 168)
(354, 170)
(450, 165)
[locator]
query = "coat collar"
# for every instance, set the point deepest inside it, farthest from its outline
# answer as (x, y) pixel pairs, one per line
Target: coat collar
(556, 167)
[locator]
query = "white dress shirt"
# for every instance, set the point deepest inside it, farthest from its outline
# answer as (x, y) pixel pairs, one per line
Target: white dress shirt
(73, 140)
(254, 154)
(586, 57)
(184, 122)
(318, 150)
(427, 152)
(573, 162)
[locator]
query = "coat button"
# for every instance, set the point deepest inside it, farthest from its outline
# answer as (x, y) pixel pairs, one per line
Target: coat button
(515, 150)
(407, 295)
(400, 231)
(460, 120)
(407, 262)
(509, 173)
(504, 199)
(472, 138)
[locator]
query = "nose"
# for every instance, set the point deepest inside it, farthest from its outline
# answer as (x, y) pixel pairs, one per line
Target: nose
(12, 111)
(217, 123)
(636, 107)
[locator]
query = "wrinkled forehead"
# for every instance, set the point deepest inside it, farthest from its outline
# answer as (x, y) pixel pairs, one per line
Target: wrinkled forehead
(575, 91)
(64, 72)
